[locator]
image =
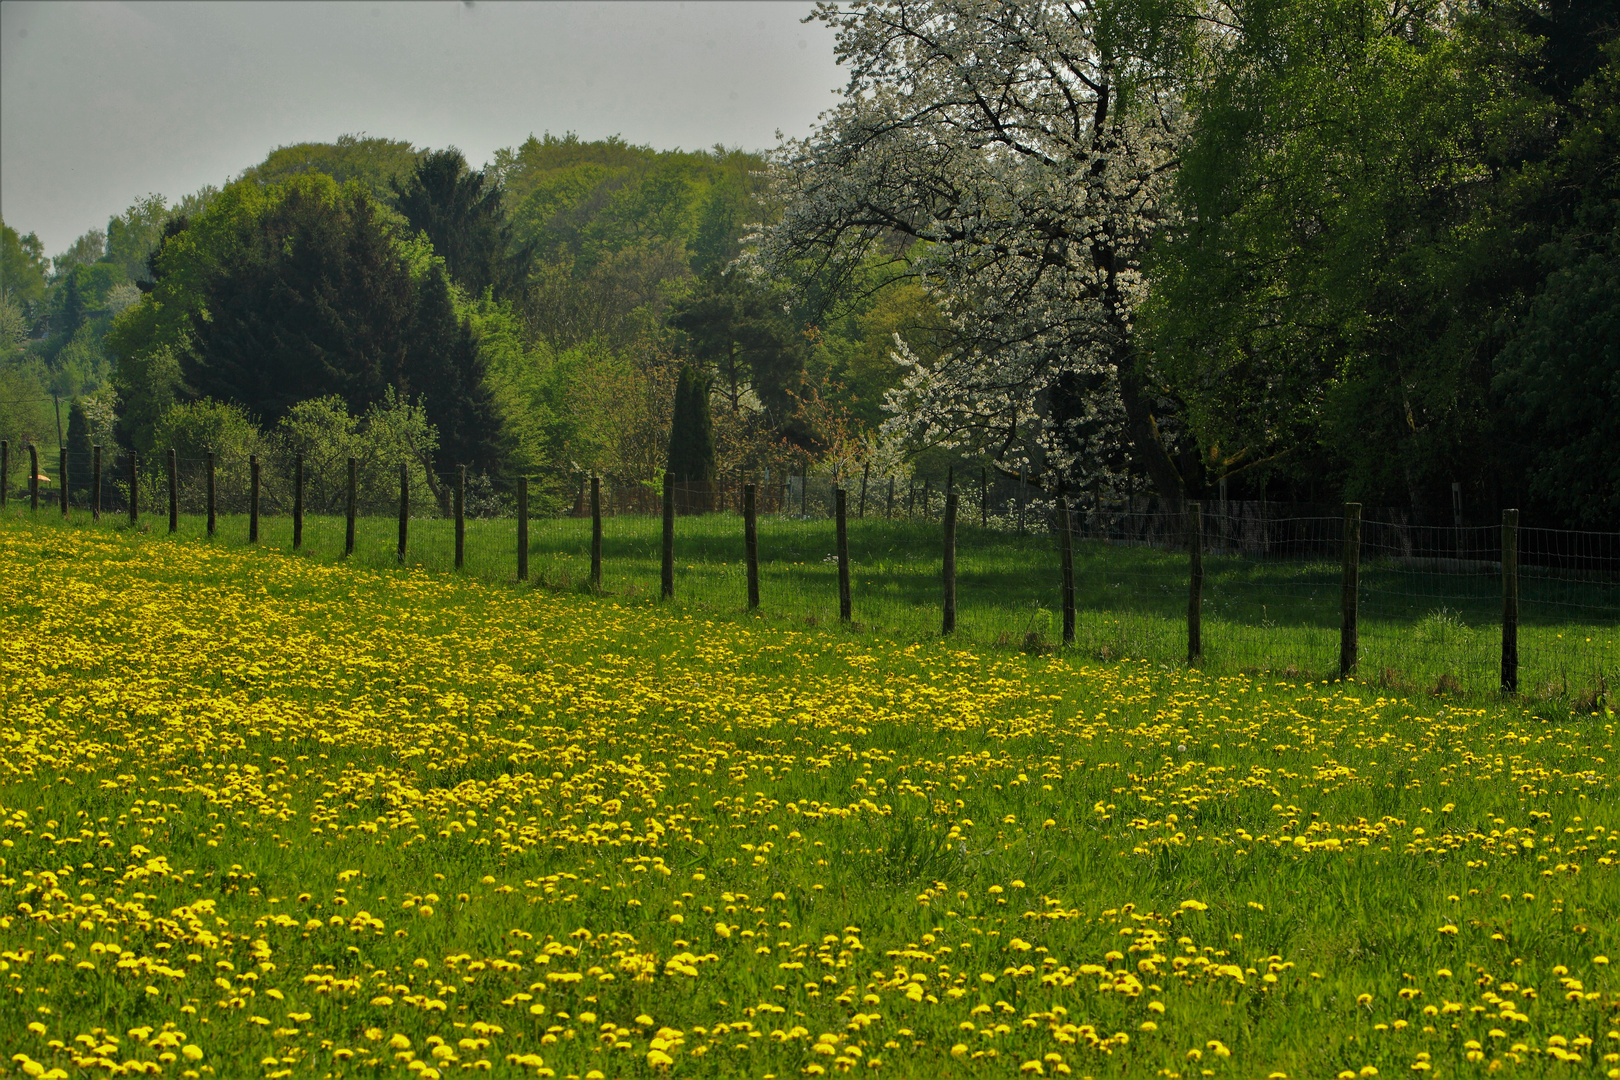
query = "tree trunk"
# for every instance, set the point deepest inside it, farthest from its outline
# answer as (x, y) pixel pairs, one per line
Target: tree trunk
(1146, 445)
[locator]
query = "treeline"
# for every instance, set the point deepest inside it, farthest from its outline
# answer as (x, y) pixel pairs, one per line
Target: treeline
(1290, 249)
(537, 313)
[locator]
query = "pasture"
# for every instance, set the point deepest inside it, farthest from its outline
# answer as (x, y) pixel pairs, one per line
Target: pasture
(263, 815)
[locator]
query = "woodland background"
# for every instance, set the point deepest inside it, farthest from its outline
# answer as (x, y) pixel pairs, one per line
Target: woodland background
(1386, 263)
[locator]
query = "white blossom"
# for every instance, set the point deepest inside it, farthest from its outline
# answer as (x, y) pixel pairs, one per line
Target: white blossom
(1031, 148)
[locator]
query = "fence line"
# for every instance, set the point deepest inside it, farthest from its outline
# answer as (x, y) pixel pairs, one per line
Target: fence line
(1381, 591)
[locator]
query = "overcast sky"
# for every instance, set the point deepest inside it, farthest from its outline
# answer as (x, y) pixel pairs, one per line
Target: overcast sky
(101, 103)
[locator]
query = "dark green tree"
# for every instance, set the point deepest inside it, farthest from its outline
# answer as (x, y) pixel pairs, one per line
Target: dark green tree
(314, 299)
(73, 310)
(78, 447)
(691, 443)
(442, 367)
(277, 295)
(22, 270)
(739, 331)
(461, 213)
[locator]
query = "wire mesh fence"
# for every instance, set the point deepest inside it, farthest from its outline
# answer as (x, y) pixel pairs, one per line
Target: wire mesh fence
(1428, 596)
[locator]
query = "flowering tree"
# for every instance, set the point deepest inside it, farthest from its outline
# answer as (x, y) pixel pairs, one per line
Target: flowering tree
(1017, 157)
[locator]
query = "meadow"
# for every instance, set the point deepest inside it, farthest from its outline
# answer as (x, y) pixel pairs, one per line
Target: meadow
(1422, 630)
(272, 816)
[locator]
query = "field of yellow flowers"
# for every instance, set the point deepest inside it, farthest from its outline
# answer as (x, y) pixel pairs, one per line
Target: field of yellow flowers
(261, 817)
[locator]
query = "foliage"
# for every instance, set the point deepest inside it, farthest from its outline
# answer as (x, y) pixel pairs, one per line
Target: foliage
(22, 268)
(376, 164)
(194, 428)
(691, 442)
(1367, 196)
(1562, 372)
(340, 782)
(84, 251)
(739, 331)
(276, 295)
(391, 433)
(1028, 147)
(135, 234)
(460, 212)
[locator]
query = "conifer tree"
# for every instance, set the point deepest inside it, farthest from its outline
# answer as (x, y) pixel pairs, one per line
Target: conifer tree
(691, 444)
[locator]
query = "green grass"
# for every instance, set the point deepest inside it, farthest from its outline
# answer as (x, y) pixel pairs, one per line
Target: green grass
(284, 812)
(1419, 630)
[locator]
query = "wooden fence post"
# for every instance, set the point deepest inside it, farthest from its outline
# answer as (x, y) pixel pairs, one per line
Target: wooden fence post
(298, 501)
(1349, 633)
(253, 498)
(751, 546)
(804, 491)
(5, 470)
(888, 509)
(984, 497)
(134, 489)
(596, 531)
(865, 470)
(667, 579)
(461, 515)
(33, 478)
(1510, 601)
(210, 494)
(523, 528)
(1195, 582)
(1066, 556)
(174, 491)
(405, 509)
(840, 507)
(948, 618)
(351, 507)
(95, 483)
(62, 477)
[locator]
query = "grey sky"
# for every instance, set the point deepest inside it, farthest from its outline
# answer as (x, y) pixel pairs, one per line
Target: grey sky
(101, 103)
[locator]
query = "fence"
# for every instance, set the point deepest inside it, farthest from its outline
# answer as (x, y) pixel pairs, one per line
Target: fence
(1306, 591)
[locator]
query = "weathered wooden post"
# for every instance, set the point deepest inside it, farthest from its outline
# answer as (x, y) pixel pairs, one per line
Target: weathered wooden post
(840, 506)
(804, 491)
(1195, 582)
(461, 515)
(5, 470)
(1349, 633)
(174, 491)
(33, 478)
(298, 501)
(866, 469)
(1510, 601)
(888, 509)
(95, 483)
(751, 546)
(405, 509)
(984, 497)
(596, 531)
(210, 493)
(1066, 557)
(62, 477)
(253, 498)
(134, 489)
(667, 581)
(523, 528)
(351, 507)
(948, 620)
